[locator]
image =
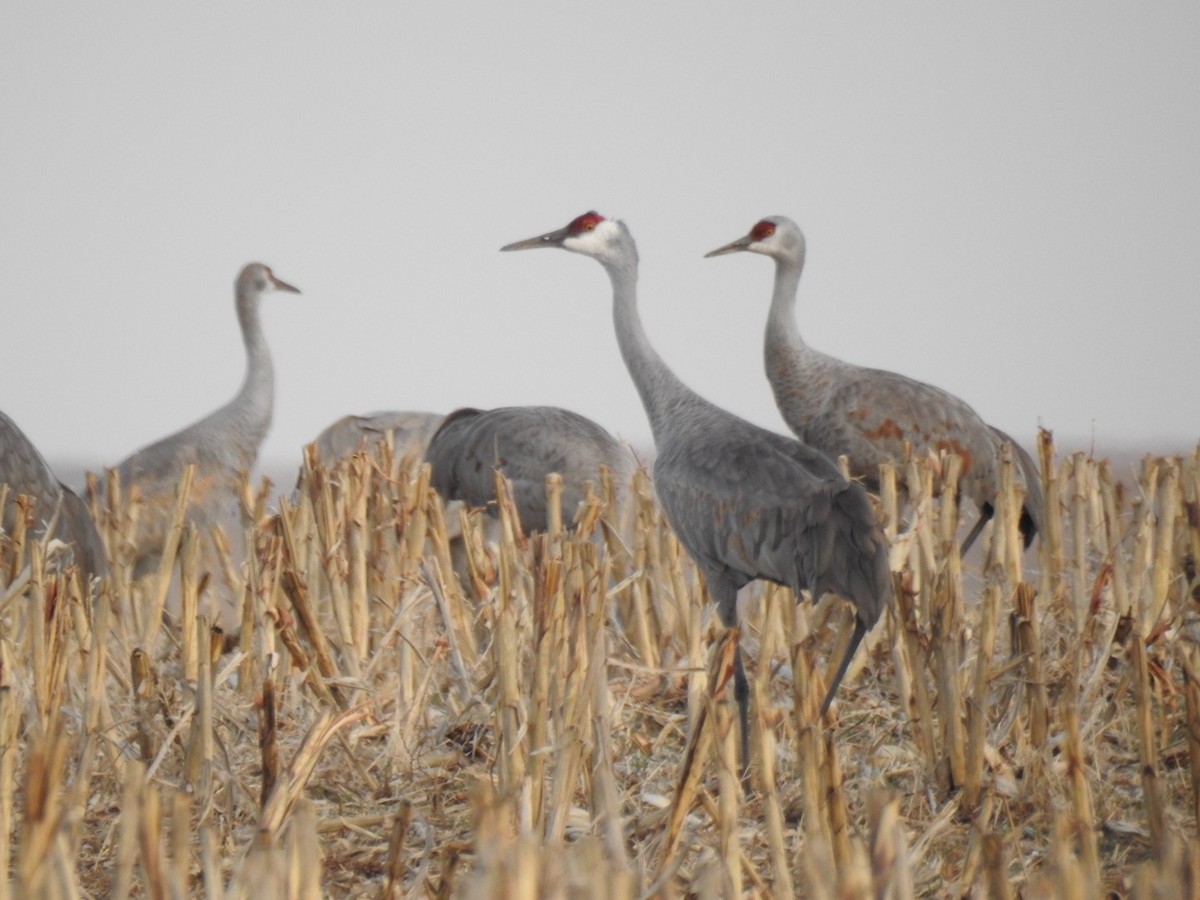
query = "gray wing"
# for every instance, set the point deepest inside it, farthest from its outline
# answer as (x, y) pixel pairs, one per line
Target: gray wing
(454, 476)
(24, 469)
(410, 432)
(78, 528)
(527, 443)
(754, 504)
(869, 415)
(155, 473)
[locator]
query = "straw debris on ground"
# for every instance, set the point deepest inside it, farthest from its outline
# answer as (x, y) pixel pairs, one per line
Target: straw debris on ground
(403, 713)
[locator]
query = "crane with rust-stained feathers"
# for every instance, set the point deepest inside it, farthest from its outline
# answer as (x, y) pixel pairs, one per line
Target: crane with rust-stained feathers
(526, 443)
(746, 503)
(59, 512)
(870, 414)
(222, 445)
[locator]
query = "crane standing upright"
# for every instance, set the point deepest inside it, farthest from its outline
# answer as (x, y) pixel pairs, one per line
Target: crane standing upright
(746, 503)
(60, 512)
(869, 415)
(221, 446)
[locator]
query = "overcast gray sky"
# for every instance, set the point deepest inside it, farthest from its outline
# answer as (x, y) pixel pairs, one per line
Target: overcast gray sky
(1001, 200)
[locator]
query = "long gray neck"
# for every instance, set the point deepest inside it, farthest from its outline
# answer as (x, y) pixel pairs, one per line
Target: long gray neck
(249, 413)
(663, 395)
(782, 330)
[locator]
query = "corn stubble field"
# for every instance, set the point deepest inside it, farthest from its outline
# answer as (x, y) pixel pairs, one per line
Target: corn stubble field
(557, 721)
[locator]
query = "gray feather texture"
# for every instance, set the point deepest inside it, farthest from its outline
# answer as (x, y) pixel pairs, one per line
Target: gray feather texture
(754, 504)
(222, 445)
(745, 503)
(25, 471)
(527, 443)
(409, 432)
(866, 414)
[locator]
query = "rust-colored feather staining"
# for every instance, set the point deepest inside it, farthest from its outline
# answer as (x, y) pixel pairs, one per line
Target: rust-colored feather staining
(963, 452)
(833, 405)
(886, 430)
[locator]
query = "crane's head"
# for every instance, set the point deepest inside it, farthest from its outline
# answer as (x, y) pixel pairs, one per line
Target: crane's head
(775, 236)
(257, 278)
(606, 240)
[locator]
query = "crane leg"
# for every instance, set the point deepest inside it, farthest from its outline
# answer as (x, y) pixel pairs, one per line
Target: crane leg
(741, 693)
(855, 639)
(723, 592)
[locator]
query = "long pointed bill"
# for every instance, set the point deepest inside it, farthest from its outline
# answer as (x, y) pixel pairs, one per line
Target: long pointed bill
(549, 239)
(284, 286)
(740, 244)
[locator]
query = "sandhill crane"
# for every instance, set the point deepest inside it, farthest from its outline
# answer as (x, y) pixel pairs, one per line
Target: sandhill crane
(746, 503)
(222, 445)
(527, 443)
(410, 433)
(870, 414)
(25, 471)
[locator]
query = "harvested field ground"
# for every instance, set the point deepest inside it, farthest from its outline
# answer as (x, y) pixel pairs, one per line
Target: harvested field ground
(558, 722)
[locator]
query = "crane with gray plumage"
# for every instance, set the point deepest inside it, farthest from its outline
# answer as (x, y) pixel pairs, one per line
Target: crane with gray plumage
(222, 445)
(869, 415)
(527, 443)
(746, 503)
(409, 432)
(26, 472)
